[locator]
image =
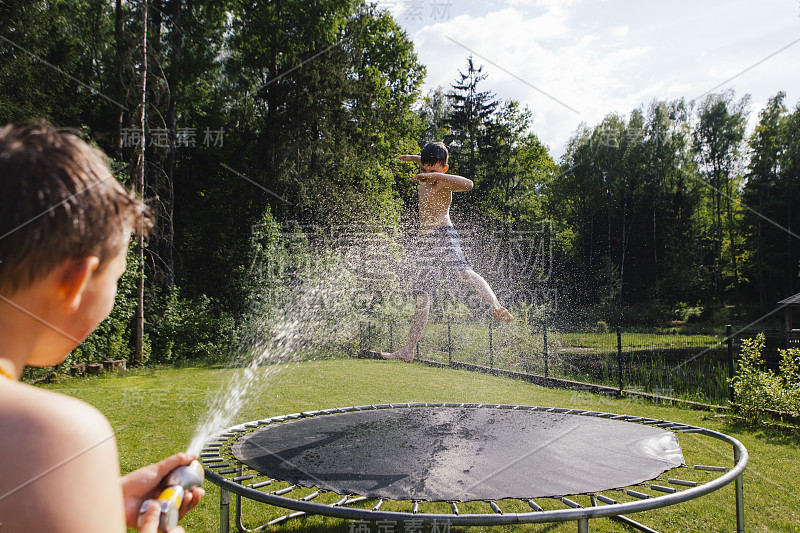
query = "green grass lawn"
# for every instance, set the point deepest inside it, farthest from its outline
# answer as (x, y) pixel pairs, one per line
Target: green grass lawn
(436, 333)
(631, 341)
(154, 414)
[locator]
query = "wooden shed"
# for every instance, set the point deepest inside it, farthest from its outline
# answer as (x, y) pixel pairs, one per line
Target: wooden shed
(789, 304)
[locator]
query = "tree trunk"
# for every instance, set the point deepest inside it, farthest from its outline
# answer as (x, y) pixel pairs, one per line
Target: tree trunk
(169, 189)
(120, 62)
(716, 223)
(655, 230)
(789, 239)
(139, 327)
(271, 133)
(732, 238)
(627, 227)
(608, 215)
(759, 251)
(622, 254)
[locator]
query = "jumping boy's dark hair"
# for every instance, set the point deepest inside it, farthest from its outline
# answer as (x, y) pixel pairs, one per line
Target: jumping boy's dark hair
(434, 153)
(58, 201)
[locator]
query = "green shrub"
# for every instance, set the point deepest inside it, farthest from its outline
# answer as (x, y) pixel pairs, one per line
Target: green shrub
(112, 337)
(183, 330)
(685, 313)
(756, 388)
(790, 374)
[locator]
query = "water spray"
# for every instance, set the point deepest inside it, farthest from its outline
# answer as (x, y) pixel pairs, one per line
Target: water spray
(177, 483)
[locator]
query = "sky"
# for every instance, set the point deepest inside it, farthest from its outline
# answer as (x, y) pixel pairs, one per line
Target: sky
(576, 61)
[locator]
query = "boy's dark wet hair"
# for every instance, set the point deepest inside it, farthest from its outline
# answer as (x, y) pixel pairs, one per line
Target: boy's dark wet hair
(434, 153)
(58, 201)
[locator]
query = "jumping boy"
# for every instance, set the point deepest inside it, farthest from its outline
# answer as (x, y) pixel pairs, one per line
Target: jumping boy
(438, 252)
(65, 224)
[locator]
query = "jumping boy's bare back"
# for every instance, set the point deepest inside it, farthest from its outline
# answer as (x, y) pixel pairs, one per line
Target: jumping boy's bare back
(435, 195)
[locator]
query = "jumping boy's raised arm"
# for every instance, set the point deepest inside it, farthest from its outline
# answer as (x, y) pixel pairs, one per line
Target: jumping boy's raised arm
(433, 161)
(412, 158)
(449, 182)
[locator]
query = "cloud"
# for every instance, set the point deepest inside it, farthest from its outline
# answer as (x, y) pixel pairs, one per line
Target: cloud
(620, 31)
(599, 58)
(542, 47)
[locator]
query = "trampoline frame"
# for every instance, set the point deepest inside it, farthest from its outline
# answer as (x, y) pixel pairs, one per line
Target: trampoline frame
(216, 467)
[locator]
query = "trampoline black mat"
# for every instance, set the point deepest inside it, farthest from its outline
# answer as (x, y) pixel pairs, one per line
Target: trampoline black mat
(459, 454)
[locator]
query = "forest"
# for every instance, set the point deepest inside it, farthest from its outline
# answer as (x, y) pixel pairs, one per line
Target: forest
(264, 135)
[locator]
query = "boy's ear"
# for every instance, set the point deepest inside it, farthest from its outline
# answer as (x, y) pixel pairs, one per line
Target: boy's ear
(446, 168)
(76, 276)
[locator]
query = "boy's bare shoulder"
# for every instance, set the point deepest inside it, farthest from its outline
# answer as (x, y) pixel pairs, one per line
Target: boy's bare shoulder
(52, 443)
(48, 413)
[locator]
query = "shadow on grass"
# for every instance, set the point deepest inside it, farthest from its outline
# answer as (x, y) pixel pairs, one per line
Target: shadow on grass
(769, 432)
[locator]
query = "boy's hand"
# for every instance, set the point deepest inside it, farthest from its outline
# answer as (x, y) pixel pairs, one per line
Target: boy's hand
(151, 520)
(412, 158)
(145, 483)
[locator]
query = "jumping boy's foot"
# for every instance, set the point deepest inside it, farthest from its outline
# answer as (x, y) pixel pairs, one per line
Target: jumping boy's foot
(399, 355)
(501, 314)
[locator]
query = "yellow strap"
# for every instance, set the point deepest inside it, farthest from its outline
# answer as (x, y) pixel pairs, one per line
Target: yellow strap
(5, 374)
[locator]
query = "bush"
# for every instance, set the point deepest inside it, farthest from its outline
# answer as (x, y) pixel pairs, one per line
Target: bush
(757, 389)
(686, 313)
(184, 330)
(648, 313)
(112, 337)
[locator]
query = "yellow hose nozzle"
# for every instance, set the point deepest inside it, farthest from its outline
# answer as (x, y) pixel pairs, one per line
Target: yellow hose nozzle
(178, 482)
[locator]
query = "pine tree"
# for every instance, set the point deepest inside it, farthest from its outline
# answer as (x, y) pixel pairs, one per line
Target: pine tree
(470, 120)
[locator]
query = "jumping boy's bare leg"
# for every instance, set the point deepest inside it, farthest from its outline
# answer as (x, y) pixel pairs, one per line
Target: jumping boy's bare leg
(418, 322)
(476, 282)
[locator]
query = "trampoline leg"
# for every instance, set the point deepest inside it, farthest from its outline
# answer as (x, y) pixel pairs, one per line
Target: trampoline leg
(739, 487)
(633, 523)
(583, 525)
(224, 511)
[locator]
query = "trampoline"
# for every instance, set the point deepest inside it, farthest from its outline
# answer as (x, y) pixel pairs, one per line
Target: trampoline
(431, 462)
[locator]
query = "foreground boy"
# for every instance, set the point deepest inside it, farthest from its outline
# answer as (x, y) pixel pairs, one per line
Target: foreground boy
(438, 252)
(65, 224)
